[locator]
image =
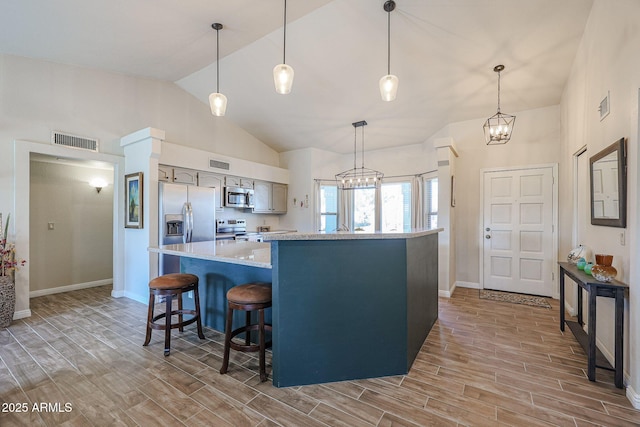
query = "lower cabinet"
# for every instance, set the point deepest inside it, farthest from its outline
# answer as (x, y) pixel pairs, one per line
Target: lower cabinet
(269, 197)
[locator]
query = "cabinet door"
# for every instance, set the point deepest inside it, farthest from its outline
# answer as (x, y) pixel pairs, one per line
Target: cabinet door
(212, 180)
(262, 197)
(279, 198)
(185, 176)
(232, 181)
(165, 173)
(246, 183)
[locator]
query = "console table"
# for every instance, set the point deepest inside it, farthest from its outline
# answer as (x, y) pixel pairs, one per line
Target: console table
(614, 289)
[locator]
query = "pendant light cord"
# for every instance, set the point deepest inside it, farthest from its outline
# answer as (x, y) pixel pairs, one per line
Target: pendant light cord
(498, 91)
(363, 150)
(389, 42)
(284, 47)
(217, 60)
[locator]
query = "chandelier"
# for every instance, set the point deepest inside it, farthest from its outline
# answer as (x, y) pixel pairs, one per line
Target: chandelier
(499, 127)
(358, 177)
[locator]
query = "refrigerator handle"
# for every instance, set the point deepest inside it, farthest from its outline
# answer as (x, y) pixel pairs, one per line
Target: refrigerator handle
(190, 207)
(185, 216)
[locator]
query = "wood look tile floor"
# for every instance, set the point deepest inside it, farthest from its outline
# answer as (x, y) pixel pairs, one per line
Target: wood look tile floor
(484, 363)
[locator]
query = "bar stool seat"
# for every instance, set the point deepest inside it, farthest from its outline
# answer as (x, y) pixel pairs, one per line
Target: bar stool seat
(170, 286)
(248, 297)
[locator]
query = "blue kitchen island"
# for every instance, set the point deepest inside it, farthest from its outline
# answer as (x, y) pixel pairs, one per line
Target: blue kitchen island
(345, 305)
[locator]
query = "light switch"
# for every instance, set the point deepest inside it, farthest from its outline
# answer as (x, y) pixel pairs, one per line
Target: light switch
(51, 226)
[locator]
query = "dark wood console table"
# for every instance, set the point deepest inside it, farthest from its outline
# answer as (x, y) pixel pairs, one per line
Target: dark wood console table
(614, 289)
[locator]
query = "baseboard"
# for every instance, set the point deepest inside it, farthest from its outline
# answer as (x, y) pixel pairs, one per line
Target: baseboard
(471, 285)
(569, 309)
(633, 397)
(21, 314)
(68, 288)
(117, 294)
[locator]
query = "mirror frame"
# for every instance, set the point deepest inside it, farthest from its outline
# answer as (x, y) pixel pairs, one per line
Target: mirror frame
(619, 147)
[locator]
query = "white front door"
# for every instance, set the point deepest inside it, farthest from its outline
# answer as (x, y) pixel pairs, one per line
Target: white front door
(518, 232)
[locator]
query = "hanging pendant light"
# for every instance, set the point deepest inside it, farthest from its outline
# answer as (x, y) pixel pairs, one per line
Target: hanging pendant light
(217, 101)
(389, 83)
(283, 73)
(499, 127)
(361, 177)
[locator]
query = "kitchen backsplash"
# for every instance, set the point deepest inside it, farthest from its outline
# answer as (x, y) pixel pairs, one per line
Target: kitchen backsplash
(253, 220)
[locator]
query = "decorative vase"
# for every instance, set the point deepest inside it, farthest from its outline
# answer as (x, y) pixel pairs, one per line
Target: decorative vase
(587, 268)
(581, 263)
(7, 300)
(580, 252)
(603, 271)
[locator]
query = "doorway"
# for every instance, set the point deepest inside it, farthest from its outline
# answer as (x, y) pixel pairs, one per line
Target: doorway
(519, 237)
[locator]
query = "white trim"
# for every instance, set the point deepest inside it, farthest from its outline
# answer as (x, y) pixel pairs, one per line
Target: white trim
(633, 396)
(447, 294)
(22, 314)
(574, 237)
(554, 214)
(470, 285)
(77, 286)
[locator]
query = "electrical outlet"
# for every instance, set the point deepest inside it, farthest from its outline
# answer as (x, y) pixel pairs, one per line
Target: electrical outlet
(622, 238)
(51, 226)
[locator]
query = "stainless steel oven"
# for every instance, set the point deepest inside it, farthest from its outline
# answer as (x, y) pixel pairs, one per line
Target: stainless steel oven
(236, 197)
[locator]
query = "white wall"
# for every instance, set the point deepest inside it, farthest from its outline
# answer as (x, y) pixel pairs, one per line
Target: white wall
(607, 60)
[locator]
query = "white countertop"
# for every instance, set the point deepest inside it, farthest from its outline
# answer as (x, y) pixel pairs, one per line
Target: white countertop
(254, 254)
(352, 235)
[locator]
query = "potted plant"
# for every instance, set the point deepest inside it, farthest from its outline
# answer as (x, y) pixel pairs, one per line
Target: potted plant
(8, 265)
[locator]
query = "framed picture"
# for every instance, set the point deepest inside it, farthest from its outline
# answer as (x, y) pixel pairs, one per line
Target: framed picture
(133, 200)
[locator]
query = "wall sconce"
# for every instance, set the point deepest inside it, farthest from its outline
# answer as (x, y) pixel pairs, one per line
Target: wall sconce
(98, 183)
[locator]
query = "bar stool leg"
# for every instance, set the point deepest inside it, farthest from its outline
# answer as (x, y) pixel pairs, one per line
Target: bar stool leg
(167, 331)
(263, 374)
(149, 317)
(227, 341)
(179, 297)
(247, 334)
(198, 322)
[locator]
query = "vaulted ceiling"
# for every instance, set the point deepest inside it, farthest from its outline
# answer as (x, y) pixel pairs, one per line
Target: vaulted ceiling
(443, 52)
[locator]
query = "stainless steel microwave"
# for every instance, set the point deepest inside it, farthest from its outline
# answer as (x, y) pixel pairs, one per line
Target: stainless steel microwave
(236, 197)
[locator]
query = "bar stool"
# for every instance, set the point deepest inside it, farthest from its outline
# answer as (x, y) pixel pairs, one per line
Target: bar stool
(248, 297)
(170, 286)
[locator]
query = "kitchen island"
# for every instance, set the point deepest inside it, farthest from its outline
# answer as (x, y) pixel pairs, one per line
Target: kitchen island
(345, 305)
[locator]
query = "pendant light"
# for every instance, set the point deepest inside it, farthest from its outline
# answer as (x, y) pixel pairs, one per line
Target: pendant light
(361, 177)
(389, 83)
(499, 127)
(217, 101)
(283, 73)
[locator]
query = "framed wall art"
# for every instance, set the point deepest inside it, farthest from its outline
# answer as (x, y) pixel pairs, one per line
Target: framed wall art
(133, 200)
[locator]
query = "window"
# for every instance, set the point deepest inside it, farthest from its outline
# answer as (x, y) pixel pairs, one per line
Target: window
(328, 207)
(431, 202)
(396, 206)
(364, 209)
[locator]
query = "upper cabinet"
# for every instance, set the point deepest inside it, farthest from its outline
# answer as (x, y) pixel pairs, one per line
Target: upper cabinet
(270, 197)
(234, 181)
(206, 179)
(177, 175)
(165, 173)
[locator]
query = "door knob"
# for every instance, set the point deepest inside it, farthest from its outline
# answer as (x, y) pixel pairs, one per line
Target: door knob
(487, 229)
(487, 236)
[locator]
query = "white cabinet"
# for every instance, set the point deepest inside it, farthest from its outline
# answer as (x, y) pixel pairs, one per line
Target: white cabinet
(235, 181)
(185, 176)
(165, 173)
(269, 197)
(206, 179)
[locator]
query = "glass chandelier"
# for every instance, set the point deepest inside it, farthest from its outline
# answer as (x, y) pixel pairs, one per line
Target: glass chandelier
(217, 101)
(283, 73)
(358, 177)
(499, 127)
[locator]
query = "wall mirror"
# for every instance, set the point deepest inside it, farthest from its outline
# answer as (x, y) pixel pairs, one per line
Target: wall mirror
(608, 171)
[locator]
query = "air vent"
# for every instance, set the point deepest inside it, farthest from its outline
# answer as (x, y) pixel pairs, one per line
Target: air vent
(217, 164)
(74, 141)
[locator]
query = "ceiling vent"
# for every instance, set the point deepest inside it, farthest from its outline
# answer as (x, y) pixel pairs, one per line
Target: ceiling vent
(217, 164)
(74, 141)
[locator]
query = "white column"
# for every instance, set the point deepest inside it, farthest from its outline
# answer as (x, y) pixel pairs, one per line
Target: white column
(447, 154)
(142, 150)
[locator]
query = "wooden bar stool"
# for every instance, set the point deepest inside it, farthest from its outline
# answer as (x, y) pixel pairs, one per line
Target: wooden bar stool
(248, 297)
(170, 286)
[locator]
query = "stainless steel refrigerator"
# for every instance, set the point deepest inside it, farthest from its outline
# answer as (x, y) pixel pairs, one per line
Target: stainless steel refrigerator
(187, 214)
